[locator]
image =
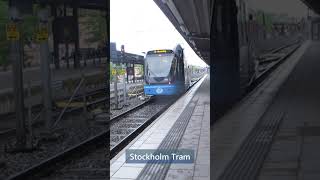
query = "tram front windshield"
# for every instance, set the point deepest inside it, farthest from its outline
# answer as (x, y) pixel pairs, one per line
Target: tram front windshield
(159, 65)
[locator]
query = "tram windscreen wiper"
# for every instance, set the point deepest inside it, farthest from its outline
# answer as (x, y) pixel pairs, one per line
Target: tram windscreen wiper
(159, 65)
(149, 71)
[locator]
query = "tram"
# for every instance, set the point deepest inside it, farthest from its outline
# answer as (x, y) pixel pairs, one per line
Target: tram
(166, 72)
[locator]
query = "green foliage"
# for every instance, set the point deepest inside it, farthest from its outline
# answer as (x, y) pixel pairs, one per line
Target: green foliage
(27, 30)
(111, 76)
(271, 18)
(265, 19)
(4, 54)
(95, 24)
(3, 40)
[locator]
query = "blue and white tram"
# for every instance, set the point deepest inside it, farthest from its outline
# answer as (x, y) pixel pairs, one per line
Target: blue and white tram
(166, 72)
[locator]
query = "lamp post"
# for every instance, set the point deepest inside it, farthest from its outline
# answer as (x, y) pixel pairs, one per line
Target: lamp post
(15, 56)
(45, 65)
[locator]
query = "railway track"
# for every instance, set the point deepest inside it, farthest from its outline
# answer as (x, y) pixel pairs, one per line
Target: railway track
(92, 166)
(125, 128)
(270, 61)
(55, 151)
(128, 126)
(88, 159)
(38, 108)
(66, 158)
(89, 162)
(251, 154)
(81, 161)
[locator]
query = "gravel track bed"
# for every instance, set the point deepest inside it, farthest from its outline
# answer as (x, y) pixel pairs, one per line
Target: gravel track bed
(131, 104)
(128, 125)
(10, 122)
(120, 129)
(134, 120)
(70, 132)
(288, 49)
(92, 166)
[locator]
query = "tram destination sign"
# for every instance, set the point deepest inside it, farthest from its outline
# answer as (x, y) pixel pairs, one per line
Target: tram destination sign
(162, 51)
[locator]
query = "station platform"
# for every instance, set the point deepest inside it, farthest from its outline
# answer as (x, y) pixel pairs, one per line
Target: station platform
(274, 133)
(186, 124)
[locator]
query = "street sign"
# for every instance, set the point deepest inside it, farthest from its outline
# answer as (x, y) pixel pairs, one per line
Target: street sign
(114, 72)
(12, 32)
(42, 34)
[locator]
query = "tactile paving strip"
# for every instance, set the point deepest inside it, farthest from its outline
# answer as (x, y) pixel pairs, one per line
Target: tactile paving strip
(157, 171)
(250, 157)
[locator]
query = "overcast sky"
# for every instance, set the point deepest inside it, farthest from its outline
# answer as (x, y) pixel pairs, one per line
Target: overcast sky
(141, 26)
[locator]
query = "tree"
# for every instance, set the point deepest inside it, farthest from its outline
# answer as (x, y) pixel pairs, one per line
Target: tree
(96, 26)
(26, 31)
(3, 41)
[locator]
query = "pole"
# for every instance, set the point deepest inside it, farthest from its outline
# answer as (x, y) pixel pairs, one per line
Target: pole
(124, 90)
(16, 60)
(116, 89)
(264, 26)
(116, 78)
(66, 44)
(55, 42)
(133, 71)
(30, 117)
(85, 110)
(76, 44)
(45, 69)
(127, 68)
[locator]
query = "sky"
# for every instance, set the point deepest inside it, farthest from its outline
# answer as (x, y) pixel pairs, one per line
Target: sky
(141, 26)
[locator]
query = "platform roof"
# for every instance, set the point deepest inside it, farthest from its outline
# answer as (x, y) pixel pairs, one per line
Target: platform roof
(313, 5)
(192, 19)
